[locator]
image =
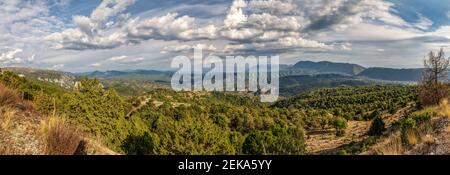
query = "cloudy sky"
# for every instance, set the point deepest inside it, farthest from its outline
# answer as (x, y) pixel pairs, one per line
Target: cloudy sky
(86, 35)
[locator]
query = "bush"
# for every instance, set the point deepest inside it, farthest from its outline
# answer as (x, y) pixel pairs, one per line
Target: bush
(282, 140)
(192, 136)
(8, 97)
(416, 126)
(368, 142)
(423, 117)
(97, 111)
(409, 123)
(289, 140)
(408, 127)
(378, 127)
(340, 124)
(258, 143)
(144, 144)
(372, 116)
(431, 93)
(45, 104)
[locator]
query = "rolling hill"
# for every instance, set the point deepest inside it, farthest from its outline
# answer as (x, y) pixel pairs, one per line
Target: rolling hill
(376, 73)
(293, 85)
(323, 67)
(392, 74)
(294, 79)
(148, 75)
(62, 79)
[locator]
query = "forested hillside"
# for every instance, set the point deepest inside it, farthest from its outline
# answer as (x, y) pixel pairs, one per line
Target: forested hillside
(323, 67)
(293, 85)
(162, 121)
(412, 75)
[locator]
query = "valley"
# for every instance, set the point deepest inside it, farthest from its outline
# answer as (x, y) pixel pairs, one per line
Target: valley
(136, 112)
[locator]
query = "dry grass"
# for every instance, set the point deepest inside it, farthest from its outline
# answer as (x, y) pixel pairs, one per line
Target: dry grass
(327, 139)
(356, 131)
(24, 132)
(6, 117)
(95, 146)
(8, 97)
(421, 134)
(392, 146)
(411, 137)
(7, 120)
(8, 150)
(444, 108)
(59, 137)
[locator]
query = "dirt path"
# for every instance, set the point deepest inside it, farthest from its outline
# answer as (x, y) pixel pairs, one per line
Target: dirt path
(320, 142)
(327, 140)
(143, 103)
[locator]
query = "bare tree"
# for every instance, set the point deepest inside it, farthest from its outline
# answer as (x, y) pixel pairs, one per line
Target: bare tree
(432, 90)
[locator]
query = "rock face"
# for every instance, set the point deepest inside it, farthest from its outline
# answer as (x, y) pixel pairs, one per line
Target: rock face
(63, 79)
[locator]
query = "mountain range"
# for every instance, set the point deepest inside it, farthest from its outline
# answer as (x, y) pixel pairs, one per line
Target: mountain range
(294, 79)
(300, 68)
(347, 69)
(323, 67)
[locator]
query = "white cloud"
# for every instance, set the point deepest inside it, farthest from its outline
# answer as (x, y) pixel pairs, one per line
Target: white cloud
(170, 26)
(443, 31)
(382, 11)
(185, 48)
(236, 15)
(231, 48)
(58, 67)
(14, 10)
(11, 57)
(22, 25)
(248, 26)
(241, 34)
(346, 46)
(126, 59)
(370, 32)
(95, 65)
(257, 22)
(423, 23)
(92, 32)
(274, 6)
(300, 42)
(270, 22)
(23, 22)
(119, 58)
(88, 35)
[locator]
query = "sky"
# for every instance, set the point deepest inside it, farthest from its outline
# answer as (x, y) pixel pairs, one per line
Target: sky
(88, 35)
